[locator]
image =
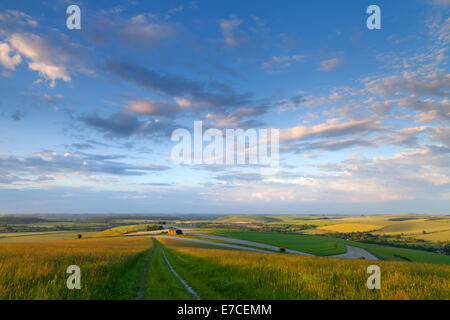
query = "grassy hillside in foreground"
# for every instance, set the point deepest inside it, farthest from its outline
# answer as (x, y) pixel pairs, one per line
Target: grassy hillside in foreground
(230, 274)
(318, 245)
(110, 268)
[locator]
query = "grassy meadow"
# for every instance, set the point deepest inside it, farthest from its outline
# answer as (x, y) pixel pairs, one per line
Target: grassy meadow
(231, 274)
(110, 268)
(113, 266)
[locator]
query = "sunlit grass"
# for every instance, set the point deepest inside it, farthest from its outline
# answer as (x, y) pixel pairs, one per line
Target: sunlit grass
(110, 268)
(229, 274)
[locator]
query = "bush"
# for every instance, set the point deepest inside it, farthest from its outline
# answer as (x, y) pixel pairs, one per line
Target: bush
(282, 249)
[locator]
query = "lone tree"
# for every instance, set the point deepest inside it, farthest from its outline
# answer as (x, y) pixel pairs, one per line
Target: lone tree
(79, 236)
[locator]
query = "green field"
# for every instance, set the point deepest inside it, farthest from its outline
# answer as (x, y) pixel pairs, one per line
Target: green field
(317, 245)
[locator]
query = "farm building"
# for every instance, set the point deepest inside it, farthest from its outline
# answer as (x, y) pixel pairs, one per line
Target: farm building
(175, 231)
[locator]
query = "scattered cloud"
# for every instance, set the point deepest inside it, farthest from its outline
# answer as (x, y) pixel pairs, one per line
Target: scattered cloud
(281, 62)
(53, 164)
(330, 64)
(208, 94)
(43, 57)
(157, 108)
(330, 130)
(17, 115)
(121, 125)
(142, 30)
(228, 27)
(8, 58)
(16, 18)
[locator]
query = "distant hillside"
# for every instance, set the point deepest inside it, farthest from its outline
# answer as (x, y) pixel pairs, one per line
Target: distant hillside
(247, 218)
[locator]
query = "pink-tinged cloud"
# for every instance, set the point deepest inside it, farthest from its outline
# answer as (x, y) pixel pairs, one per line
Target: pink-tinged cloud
(330, 130)
(330, 64)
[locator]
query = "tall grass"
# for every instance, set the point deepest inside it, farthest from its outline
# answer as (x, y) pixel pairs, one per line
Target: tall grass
(230, 274)
(110, 268)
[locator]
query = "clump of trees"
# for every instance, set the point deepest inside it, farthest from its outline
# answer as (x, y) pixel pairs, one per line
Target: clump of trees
(153, 227)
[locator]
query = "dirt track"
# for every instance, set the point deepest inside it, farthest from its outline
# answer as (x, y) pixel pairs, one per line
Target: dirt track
(356, 253)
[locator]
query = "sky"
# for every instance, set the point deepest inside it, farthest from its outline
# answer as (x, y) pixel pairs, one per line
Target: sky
(87, 115)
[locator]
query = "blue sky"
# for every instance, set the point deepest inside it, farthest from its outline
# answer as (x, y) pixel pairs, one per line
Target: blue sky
(86, 115)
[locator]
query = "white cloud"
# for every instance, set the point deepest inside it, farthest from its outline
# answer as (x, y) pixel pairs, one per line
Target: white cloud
(150, 107)
(43, 57)
(330, 64)
(330, 130)
(8, 58)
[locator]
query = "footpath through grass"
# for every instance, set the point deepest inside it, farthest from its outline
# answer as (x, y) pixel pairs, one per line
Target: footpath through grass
(231, 274)
(161, 283)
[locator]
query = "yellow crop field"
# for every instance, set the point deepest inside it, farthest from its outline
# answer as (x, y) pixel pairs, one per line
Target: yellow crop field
(230, 274)
(117, 231)
(409, 225)
(350, 227)
(435, 236)
(110, 268)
